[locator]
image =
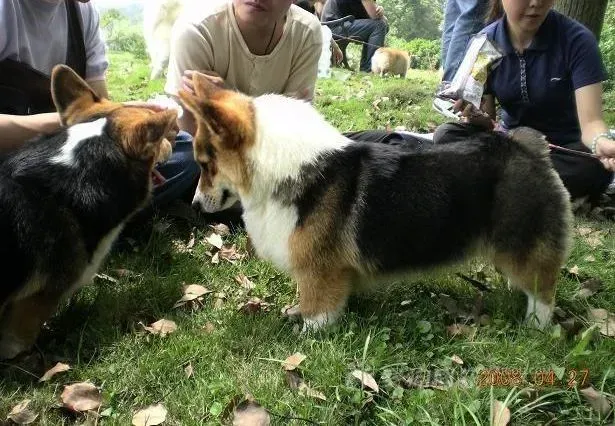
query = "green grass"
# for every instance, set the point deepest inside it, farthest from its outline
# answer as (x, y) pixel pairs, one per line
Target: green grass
(99, 335)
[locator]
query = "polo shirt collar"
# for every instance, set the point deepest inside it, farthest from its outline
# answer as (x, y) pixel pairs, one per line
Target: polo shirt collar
(542, 39)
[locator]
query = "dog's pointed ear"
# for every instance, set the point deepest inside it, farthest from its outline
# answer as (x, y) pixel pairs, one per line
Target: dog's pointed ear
(67, 88)
(191, 103)
(205, 87)
(157, 126)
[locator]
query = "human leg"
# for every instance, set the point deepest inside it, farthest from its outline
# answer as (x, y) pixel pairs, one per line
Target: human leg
(371, 31)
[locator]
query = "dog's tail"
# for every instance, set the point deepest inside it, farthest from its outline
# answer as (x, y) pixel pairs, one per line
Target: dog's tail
(532, 140)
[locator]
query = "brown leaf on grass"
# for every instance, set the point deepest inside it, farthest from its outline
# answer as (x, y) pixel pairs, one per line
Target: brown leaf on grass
(209, 327)
(189, 370)
(250, 413)
(58, 368)
(107, 278)
(582, 231)
(597, 400)
(461, 330)
(253, 306)
(81, 397)
(231, 254)
(21, 415)
(296, 382)
(366, 379)
(214, 239)
(215, 259)
(574, 270)
(220, 229)
(244, 281)
(150, 416)
(161, 327)
(590, 287)
(457, 360)
(500, 414)
(220, 298)
(192, 293)
(293, 361)
(605, 319)
(191, 241)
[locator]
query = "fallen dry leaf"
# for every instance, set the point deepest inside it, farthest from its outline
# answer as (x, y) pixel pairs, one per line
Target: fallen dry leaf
(150, 416)
(230, 254)
(296, 382)
(457, 360)
(107, 278)
(605, 319)
(244, 281)
(250, 413)
(192, 293)
(214, 239)
(597, 400)
(582, 231)
(366, 379)
(192, 241)
(500, 414)
(209, 327)
(220, 298)
(574, 270)
(220, 229)
(21, 415)
(461, 330)
(58, 368)
(253, 306)
(293, 361)
(215, 259)
(189, 370)
(81, 397)
(161, 327)
(590, 287)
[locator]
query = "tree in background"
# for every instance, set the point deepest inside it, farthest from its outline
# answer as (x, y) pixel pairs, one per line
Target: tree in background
(588, 12)
(414, 19)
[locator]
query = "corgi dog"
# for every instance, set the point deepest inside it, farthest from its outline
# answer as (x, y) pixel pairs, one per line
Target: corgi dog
(338, 214)
(387, 60)
(64, 199)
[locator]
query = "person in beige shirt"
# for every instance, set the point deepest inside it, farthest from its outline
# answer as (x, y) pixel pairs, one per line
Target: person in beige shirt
(253, 46)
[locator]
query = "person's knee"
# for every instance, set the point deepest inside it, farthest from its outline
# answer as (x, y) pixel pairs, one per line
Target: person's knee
(452, 132)
(380, 26)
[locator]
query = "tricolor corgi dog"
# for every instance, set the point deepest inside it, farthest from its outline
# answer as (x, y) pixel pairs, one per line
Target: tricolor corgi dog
(387, 60)
(338, 214)
(64, 199)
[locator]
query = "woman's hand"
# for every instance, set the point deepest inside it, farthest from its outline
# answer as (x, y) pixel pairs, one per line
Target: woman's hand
(470, 114)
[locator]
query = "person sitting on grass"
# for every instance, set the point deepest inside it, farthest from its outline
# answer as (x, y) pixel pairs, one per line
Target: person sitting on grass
(370, 25)
(550, 79)
(70, 35)
(269, 47)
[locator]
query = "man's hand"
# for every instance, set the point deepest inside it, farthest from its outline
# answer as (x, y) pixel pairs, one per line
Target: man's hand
(605, 149)
(210, 75)
(338, 56)
(379, 12)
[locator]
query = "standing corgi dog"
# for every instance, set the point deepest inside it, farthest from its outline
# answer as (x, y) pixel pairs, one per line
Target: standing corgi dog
(338, 214)
(64, 199)
(387, 60)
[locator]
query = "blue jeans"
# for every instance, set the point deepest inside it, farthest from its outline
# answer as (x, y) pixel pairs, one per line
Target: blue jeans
(462, 19)
(180, 171)
(372, 31)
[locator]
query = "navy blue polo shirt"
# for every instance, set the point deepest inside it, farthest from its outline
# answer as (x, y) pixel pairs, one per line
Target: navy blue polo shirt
(536, 88)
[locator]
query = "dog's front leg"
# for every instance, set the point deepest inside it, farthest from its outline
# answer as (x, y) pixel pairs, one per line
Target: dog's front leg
(322, 296)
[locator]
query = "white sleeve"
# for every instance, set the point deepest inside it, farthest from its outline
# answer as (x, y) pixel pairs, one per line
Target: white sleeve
(95, 49)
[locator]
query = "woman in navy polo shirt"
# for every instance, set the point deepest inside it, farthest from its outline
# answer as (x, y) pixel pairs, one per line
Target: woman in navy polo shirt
(550, 79)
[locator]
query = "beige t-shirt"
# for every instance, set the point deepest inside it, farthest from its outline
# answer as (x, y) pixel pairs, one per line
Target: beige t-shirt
(214, 43)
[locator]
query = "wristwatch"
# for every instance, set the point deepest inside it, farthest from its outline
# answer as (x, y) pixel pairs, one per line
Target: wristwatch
(609, 135)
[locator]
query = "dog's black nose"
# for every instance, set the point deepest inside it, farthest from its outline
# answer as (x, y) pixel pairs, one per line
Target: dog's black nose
(196, 206)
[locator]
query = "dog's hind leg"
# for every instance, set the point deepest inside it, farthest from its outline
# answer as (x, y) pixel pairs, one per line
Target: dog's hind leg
(22, 320)
(536, 274)
(322, 296)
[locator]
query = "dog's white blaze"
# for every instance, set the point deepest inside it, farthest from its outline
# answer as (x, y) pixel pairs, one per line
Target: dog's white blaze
(270, 226)
(77, 134)
(289, 134)
(98, 256)
(538, 312)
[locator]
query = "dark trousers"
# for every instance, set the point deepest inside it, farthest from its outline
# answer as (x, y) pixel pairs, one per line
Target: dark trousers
(371, 31)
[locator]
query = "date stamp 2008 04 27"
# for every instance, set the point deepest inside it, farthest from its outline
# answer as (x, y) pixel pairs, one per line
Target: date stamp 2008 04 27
(510, 377)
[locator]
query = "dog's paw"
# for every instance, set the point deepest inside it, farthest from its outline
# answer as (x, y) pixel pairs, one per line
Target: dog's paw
(319, 321)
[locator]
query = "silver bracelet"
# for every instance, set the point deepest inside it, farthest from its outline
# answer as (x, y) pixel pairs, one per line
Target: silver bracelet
(609, 135)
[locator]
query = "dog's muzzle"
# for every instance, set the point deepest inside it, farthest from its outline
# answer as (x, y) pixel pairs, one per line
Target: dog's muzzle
(213, 201)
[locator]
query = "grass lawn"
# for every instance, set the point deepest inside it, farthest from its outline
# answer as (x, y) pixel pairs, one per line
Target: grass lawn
(401, 336)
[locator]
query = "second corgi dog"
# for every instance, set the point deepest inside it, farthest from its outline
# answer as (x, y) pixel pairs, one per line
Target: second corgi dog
(387, 60)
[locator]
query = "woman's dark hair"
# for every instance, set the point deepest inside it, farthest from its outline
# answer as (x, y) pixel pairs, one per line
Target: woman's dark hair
(495, 11)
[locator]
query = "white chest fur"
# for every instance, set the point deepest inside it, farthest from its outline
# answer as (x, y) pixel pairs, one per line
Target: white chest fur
(270, 227)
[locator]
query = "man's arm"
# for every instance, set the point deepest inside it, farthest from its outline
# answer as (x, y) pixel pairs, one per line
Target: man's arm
(373, 10)
(16, 129)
